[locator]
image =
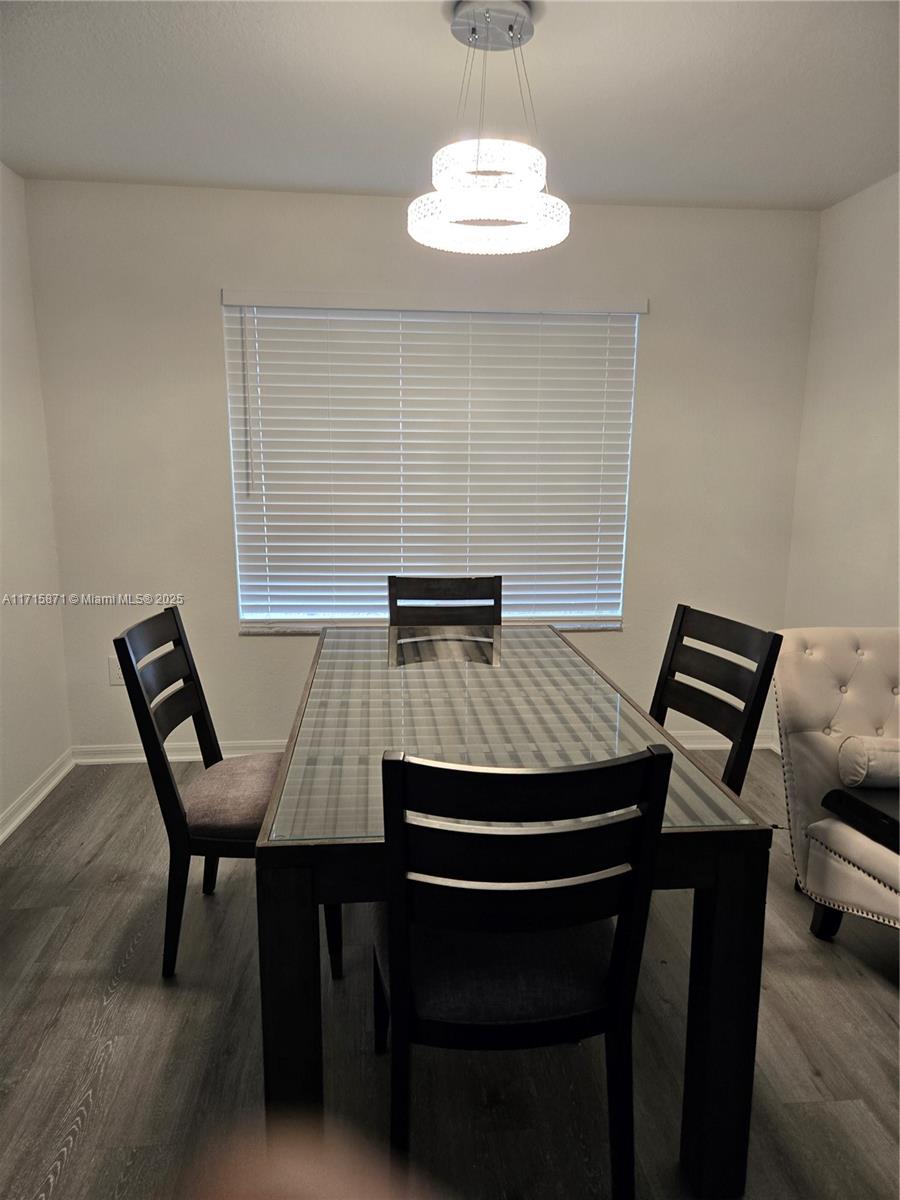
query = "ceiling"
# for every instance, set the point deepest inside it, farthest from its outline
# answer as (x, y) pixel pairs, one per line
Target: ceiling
(786, 105)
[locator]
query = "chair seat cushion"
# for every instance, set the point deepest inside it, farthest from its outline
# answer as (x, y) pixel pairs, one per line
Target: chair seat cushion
(229, 801)
(499, 978)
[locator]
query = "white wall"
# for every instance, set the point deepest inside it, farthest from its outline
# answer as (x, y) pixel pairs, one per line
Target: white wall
(127, 281)
(843, 564)
(34, 725)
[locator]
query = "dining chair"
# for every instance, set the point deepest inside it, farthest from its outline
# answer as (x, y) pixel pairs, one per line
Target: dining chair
(496, 932)
(219, 815)
(746, 684)
(429, 600)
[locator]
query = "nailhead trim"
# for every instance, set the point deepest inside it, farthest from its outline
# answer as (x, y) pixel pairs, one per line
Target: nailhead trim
(787, 775)
(812, 837)
(857, 912)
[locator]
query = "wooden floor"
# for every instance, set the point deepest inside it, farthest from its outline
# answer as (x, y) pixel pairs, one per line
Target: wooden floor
(110, 1079)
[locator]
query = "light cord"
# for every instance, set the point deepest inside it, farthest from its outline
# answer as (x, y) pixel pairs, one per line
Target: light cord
(481, 106)
(463, 90)
(528, 86)
(519, 82)
(531, 102)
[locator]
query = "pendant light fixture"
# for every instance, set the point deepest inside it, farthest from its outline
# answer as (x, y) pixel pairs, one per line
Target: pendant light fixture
(490, 194)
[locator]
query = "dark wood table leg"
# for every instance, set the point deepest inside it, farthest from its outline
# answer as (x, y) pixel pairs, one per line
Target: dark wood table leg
(723, 1004)
(290, 990)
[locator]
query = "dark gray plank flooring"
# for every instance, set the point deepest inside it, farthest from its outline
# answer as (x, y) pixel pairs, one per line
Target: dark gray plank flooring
(110, 1079)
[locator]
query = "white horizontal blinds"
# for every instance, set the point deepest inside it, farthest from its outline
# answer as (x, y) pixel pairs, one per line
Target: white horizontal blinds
(370, 443)
(315, 433)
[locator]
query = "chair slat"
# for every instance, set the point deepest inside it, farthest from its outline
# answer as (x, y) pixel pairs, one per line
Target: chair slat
(444, 588)
(525, 793)
(160, 673)
(551, 907)
(725, 633)
(519, 855)
(175, 709)
(454, 591)
(456, 614)
(150, 634)
(702, 706)
(722, 673)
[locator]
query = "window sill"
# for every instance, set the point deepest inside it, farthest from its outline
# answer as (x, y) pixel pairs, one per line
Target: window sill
(313, 629)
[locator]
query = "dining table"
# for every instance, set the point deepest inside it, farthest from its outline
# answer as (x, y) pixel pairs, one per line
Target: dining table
(516, 695)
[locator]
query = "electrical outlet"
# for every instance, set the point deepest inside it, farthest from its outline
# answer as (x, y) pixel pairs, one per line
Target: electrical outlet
(115, 672)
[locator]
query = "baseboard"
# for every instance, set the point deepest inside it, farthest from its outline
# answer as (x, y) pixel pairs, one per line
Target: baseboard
(133, 752)
(12, 817)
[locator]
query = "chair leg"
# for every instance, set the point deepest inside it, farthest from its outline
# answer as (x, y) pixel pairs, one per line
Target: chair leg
(400, 1065)
(179, 865)
(620, 1101)
(825, 922)
(334, 934)
(380, 1007)
(210, 871)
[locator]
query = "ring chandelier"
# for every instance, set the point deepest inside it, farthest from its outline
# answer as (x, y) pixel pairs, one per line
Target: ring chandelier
(490, 194)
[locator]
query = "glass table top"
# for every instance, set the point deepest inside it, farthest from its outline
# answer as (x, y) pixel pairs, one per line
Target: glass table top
(516, 697)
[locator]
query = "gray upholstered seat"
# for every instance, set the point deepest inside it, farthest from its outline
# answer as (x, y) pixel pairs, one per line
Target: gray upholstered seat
(229, 800)
(504, 977)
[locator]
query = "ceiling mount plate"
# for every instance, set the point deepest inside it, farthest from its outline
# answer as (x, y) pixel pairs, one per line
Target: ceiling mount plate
(487, 26)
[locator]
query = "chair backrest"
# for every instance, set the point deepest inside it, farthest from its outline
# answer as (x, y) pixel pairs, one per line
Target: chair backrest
(485, 848)
(165, 691)
(830, 683)
(736, 719)
(450, 601)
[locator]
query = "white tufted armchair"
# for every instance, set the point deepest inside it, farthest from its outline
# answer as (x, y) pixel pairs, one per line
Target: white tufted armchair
(829, 684)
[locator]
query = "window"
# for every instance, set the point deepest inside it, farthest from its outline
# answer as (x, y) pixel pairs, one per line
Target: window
(368, 443)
